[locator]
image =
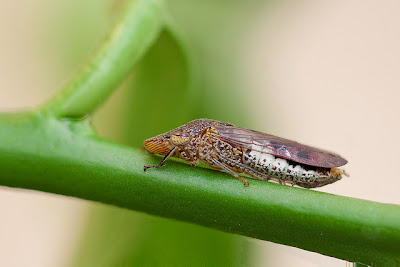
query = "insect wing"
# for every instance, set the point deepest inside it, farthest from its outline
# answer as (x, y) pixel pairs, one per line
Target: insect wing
(279, 147)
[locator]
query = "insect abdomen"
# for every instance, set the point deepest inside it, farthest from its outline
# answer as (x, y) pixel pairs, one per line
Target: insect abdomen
(286, 171)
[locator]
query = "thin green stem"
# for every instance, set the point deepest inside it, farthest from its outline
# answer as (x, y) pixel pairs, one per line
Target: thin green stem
(137, 30)
(65, 157)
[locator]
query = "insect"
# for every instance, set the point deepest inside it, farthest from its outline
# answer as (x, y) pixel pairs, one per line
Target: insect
(236, 150)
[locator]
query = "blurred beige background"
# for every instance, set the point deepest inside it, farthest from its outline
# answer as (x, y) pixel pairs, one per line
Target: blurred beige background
(334, 70)
(324, 73)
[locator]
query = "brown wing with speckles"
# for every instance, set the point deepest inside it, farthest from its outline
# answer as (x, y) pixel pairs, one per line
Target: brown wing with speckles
(277, 146)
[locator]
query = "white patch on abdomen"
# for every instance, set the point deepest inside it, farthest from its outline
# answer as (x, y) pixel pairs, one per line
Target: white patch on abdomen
(278, 168)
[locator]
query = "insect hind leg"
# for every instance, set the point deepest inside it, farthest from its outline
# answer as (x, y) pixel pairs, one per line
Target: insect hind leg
(246, 169)
(224, 167)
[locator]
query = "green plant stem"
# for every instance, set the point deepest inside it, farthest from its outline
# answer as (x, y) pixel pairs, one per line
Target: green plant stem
(137, 30)
(64, 157)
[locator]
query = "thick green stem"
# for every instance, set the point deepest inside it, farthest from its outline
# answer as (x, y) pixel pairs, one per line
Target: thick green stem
(135, 33)
(64, 157)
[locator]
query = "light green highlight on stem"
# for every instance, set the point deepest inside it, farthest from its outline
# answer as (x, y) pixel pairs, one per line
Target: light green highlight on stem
(138, 28)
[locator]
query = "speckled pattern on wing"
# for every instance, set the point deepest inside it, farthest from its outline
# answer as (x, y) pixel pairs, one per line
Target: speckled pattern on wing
(279, 147)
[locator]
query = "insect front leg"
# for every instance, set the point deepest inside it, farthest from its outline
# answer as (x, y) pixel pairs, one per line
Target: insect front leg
(214, 159)
(162, 161)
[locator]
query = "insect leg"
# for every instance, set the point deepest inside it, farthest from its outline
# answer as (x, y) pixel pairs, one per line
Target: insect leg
(162, 161)
(215, 161)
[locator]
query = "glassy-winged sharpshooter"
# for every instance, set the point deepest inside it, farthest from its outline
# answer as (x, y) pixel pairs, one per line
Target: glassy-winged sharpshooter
(262, 156)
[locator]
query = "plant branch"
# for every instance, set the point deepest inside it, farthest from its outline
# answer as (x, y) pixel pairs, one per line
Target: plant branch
(137, 30)
(65, 157)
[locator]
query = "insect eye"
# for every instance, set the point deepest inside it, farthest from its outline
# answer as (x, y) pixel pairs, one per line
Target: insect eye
(179, 138)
